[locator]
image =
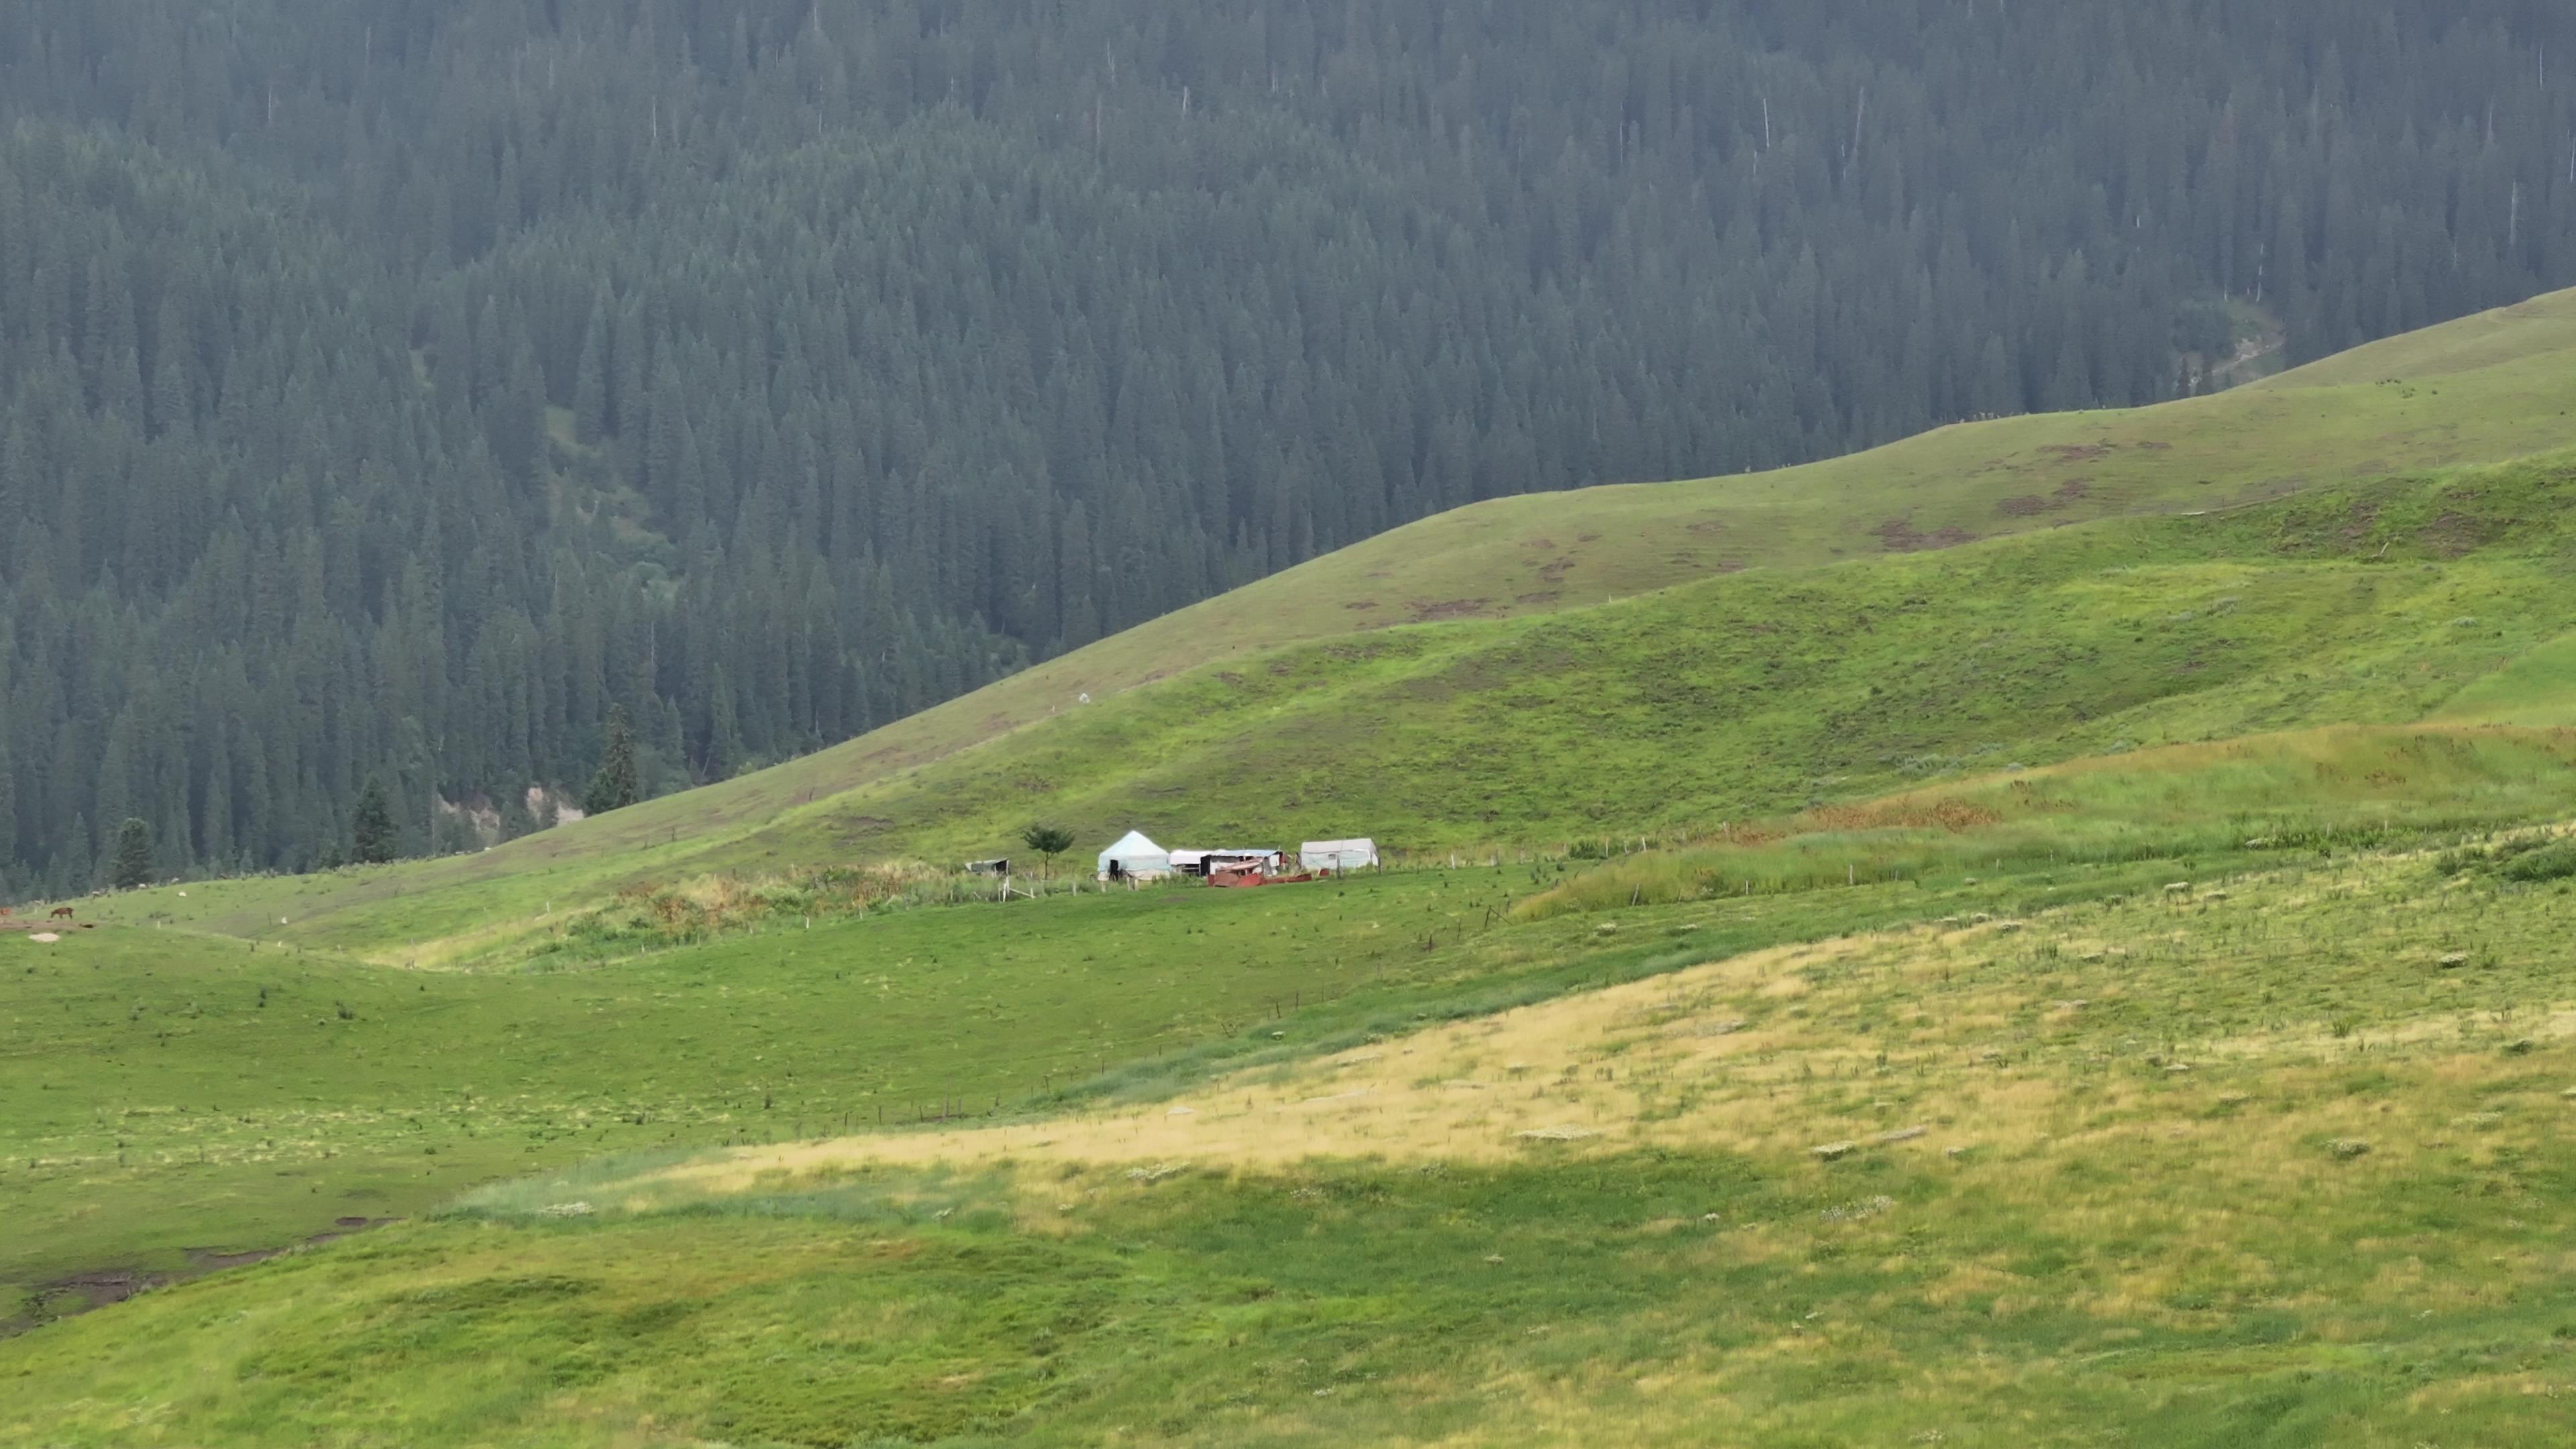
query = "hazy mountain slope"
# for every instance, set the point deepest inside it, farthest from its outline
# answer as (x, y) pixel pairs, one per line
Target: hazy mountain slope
(391, 391)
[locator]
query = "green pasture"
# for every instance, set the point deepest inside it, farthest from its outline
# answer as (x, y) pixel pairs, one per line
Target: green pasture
(167, 1096)
(2232, 804)
(2287, 1165)
(162, 1092)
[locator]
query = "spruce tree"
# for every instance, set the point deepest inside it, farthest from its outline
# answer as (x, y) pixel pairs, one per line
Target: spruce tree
(617, 784)
(133, 855)
(373, 838)
(8, 806)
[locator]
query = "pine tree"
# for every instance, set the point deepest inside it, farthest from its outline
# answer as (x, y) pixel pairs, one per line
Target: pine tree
(8, 806)
(617, 785)
(373, 839)
(1049, 841)
(133, 855)
(590, 384)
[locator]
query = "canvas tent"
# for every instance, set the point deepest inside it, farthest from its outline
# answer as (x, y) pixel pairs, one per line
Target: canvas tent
(1337, 855)
(1134, 855)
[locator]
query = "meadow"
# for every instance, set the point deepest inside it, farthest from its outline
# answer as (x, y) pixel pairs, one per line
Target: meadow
(2078, 959)
(2282, 1160)
(135, 1144)
(168, 1097)
(2227, 805)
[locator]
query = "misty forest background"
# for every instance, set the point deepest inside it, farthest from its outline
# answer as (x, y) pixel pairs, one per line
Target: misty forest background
(388, 389)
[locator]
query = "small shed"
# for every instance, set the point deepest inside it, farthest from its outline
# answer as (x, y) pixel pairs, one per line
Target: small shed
(1209, 862)
(1337, 855)
(1135, 856)
(998, 866)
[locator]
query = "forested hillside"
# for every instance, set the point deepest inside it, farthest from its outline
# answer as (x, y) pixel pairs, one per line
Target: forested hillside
(389, 389)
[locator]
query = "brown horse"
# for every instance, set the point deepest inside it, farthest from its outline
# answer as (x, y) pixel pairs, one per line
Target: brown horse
(61, 913)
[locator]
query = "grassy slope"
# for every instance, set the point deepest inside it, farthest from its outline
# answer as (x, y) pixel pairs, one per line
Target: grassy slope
(2107, 1250)
(129, 1132)
(134, 1127)
(131, 1129)
(2489, 387)
(2086, 1244)
(1742, 696)
(2227, 803)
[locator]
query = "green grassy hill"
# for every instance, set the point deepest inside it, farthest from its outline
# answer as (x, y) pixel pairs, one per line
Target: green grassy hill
(2280, 1160)
(1734, 698)
(1291, 706)
(2094, 983)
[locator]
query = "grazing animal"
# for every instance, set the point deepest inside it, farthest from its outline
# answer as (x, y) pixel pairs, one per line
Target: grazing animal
(6, 913)
(62, 913)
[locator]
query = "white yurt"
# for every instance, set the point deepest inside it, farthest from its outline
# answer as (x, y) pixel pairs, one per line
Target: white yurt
(1134, 855)
(1337, 855)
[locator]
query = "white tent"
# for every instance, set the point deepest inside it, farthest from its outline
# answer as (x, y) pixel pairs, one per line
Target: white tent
(1337, 855)
(1202, 862)
(1136, 856)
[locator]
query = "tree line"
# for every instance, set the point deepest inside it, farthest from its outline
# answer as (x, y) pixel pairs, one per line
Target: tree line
(390, 392)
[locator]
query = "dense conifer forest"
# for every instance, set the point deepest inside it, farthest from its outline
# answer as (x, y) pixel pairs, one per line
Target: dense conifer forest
(388, 390)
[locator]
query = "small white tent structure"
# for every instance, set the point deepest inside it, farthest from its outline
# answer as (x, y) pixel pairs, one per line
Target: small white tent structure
(1134, 855)
(1337, 855)
(1208, 862)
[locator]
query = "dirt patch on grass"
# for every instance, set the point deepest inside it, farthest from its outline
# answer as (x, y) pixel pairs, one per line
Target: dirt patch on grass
(95, 1288)
(1427, 611)
(81, 1292)
(2455, 534)
(1361, 604)
(1898, 535)
(1548, 597)
(1955, 816)
(2031, 504)
(212, 1260)
(2078, 452)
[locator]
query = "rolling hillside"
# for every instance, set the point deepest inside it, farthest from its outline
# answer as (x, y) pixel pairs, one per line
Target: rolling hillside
(2279, 1160)
(1664, 657)
(2105, 972)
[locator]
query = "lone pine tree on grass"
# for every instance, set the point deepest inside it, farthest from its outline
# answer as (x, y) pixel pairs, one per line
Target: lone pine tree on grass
(616, 785)
(1049, 841)
(373, 839)
(133, 855)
